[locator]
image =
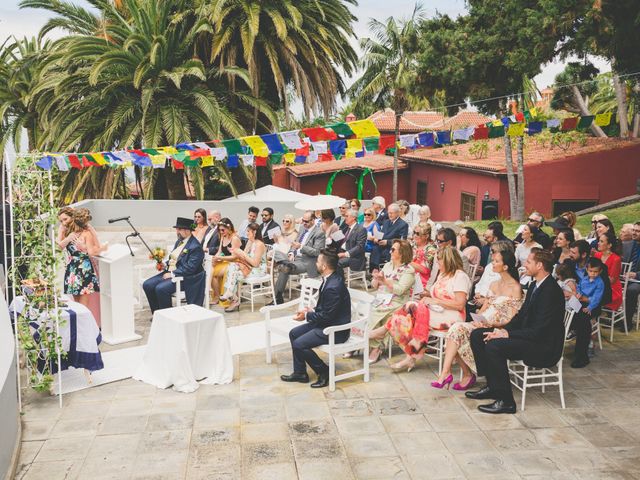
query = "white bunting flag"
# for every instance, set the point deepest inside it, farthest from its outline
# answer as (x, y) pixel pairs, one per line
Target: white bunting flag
(553, 123)
(319, 147)
(407, 140)
(219, 153)
(291, 139)
(247, 160)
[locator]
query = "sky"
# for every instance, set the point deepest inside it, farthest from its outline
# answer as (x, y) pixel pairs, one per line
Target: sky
(27, 22)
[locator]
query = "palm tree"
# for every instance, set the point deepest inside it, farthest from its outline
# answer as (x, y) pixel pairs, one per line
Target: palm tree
(389, 63)
(301, 43)
(138, 83)
(20, 64)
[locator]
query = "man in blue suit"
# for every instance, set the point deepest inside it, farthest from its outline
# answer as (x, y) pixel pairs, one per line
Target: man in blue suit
(185, 260)
(392, 228)
(333, 308)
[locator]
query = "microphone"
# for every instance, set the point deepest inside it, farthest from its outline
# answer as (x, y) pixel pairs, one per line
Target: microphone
(112, 220)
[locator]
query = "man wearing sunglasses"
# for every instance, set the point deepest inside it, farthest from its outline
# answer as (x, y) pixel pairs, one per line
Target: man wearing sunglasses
(268, 224)
(303, 254)
(341, 219)
(535, 222)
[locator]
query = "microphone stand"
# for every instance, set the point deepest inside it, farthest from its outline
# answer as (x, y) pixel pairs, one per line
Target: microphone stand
(135, 233)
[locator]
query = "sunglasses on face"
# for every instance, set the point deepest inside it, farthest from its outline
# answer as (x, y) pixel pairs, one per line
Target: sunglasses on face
(368, 214)
(286, 221)
(533, 220)
(306, 221)
(394, 249)
(438, 240)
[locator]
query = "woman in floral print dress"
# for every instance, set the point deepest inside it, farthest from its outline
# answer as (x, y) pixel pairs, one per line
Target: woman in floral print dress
(80, 279)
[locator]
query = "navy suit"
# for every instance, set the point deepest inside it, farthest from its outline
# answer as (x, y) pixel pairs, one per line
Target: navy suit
(213, 243)
(354, 244)
(536, 336)
(189, 266)
(333, 308)
(391, 230)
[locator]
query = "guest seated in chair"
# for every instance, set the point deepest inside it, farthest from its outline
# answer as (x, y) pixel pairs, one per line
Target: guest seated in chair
(251, 262)
(503, 302)
(185, 260)
(303, 254)
(333, 309)
(355, 238)
(535, 335)
(392, 228)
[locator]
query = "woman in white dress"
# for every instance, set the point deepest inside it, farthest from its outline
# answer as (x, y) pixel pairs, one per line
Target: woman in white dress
(503, 302)
(523, 250)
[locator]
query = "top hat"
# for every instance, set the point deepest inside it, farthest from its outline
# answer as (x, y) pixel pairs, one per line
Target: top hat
(558, 223)
(186, 223)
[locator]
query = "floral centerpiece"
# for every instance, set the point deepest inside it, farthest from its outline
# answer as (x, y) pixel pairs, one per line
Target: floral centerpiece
(158, 254)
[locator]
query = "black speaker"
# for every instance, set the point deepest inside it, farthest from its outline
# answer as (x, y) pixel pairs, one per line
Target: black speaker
(489, 209)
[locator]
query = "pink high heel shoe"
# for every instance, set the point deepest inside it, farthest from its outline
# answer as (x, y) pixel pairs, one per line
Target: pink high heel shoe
(467, 386)
(445, 383)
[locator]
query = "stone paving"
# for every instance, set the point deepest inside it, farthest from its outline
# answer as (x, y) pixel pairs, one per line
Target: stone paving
(395, 426)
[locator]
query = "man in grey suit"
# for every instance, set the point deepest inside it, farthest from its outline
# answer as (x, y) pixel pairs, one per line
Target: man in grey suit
(631, 254)
(303, 254)
(351, 253)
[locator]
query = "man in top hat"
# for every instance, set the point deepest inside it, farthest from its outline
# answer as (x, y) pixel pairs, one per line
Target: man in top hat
(185, 260)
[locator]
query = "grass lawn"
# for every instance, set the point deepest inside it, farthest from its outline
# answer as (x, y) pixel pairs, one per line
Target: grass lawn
(618, 216)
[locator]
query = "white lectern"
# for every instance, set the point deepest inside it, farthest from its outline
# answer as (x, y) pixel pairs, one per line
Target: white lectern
(116, 295)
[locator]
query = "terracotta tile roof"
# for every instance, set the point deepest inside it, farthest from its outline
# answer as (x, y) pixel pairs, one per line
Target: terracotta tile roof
(376, 163)
(494, 162)
(410, 122)
(462, 119)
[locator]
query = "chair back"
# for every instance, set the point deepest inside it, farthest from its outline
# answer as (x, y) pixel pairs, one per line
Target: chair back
(207, 264)
(625, 268)
(568, 317)
(361, 304)
(471, 271)
(309, 289)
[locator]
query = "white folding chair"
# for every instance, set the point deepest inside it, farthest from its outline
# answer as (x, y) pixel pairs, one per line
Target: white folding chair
(524, 376)
(261, 286)
(358, 338)
(356, 275)
(179, 295)
(609, 318)
(281, 325)
(471, 272)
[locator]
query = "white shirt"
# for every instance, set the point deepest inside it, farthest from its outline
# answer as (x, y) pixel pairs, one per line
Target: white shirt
(243, 229)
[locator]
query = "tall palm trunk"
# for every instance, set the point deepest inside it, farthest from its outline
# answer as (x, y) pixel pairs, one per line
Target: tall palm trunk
(395, 158)
(584, 110)
(520, 161)
(621, 97)
(511, 181)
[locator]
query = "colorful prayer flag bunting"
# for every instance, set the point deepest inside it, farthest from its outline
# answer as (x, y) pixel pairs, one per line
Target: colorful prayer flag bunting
(425, 139)
(585, 122)
(291, 139)
(257, 145)
(273, 143)
(443, 137)
(516, 130)
(603, 119)
(364, 128)
(317, 134)
(341, 129)
(569, 124)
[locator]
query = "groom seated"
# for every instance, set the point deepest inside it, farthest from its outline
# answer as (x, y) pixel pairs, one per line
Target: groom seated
(185, 260)
(535, 336)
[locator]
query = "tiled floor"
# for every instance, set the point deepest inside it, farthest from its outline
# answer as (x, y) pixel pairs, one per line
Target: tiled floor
(396, 426)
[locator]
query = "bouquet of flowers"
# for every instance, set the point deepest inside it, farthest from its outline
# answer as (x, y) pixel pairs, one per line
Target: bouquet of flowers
(158, 255)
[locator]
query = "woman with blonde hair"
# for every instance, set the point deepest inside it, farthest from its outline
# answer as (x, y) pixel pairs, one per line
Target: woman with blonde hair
(424, 252)
(289, 232)
(572, 219)
(80, 278)
(229, 241)
(443, 305)
(370, 224)
(424, 214)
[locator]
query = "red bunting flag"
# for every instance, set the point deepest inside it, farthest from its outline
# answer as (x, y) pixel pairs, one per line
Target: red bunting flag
(199, 152)
(304, 151)
(317, 134)
(519, 117)
(260, 161)
(177, 165)
(325, 157)
(386, 141)
(481, 133)
(74, 161)
(569, 124)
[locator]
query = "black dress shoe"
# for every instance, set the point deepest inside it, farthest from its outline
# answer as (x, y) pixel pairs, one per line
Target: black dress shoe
(580, 363)
(323, 381)
(499, 406)
(295, 377)
(482, 394)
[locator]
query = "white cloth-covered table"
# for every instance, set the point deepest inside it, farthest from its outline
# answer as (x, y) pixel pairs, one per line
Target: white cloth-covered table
(186, 344)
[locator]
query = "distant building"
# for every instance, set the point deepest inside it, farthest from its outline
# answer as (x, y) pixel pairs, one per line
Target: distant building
(545, 102)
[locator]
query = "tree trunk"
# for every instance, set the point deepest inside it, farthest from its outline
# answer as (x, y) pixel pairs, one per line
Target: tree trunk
(395, 159)
(263, 177)
(636, 125)
(511, 181)
(520, 161)
(174, 180)
(584, 110)
(621, 97)
(287, 114)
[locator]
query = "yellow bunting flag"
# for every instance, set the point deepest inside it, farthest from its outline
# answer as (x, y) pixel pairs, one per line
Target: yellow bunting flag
(533, 112)
(159, 159)
(99, 158)
(497, 123)
(289, 158)
(516, 130)
(353, 146)
(258, 146)
(207, 161)
(603, 119)
(364, 128)
(168, 150)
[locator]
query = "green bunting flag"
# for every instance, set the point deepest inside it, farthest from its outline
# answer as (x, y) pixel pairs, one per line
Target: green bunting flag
(233, 146)
(372, 144)
(585, 122)
(341, 128)
(496, 132)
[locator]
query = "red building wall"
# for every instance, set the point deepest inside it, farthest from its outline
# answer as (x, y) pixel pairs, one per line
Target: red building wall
(599, 176)
(445, 205)
(346, 186)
